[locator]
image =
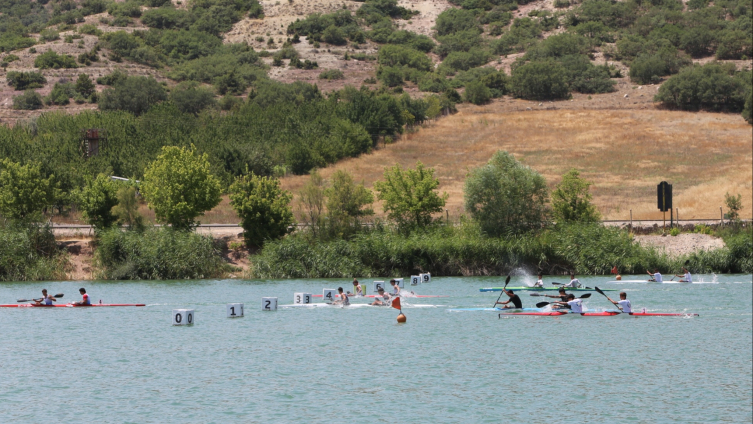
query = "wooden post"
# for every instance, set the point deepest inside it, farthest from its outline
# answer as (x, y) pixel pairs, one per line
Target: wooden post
(447, 213)
(631, 220)
(664, 214)
(721, 216)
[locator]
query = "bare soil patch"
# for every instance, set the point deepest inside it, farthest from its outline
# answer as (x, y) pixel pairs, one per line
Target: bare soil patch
(681, 244)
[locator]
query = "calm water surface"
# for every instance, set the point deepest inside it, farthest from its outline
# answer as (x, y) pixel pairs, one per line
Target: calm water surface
(357, 364)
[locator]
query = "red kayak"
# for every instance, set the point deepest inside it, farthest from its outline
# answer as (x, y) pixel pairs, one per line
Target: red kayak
(652, 314)
(598, 314)
(68, 305)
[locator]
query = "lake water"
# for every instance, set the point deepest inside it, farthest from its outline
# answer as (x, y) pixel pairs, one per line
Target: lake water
(358, 365)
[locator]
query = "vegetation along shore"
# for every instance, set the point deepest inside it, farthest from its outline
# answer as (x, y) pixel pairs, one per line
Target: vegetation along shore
(458, 137)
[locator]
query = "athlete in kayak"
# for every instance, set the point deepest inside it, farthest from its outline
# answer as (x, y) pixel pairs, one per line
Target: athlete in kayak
(574, 282)
(381, 299)
(623, 303)
(575, 305)
(539, 282)
(562, 297)
(46, 299)
(656, 276)
(84, 298)
(358, 288)
(512, 298)
(395, 287)
(687, 278)
(342, 299)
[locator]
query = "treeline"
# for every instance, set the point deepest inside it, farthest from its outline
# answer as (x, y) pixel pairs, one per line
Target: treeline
(281, 128)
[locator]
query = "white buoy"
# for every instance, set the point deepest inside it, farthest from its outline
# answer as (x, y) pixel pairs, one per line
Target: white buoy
(302, 298)
(329, 295)
(378, 285)
(268, 303)
(415, 280)
(183, 316)
(234, 310)
(426, 278)
(399, 282)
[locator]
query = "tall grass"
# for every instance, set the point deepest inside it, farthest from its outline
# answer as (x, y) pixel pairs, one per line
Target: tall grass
(464, 250)
(158, 254)
(29, 253)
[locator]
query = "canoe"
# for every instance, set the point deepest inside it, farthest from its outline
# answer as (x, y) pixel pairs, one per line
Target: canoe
(495, 309)
(496, 289)
(598, 314)
(422, 296)
(68, 305)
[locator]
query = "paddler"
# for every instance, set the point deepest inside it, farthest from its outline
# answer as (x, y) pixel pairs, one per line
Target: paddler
(687, 278)
(656, 275)
(575, 305)
(381, 299)
(46, 299)
(512, 298)
(539, 282)
(574, 282)
(623, 303)
(84, 298)
(562, 296)
(357, 288)
(395, 287)
(342, 298)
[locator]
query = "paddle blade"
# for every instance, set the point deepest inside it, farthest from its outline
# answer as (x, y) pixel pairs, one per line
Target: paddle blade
(59, 295)
(586, 296)
(598, 290)
(396, 303)
(537, 294)
(541, 304)
(23, 300)
(556, 284)
(507, 281)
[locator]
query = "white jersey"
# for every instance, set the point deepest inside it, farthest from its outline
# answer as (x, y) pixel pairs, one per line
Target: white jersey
(539, 283)
(576, 306)
(574, 283)
(658, 278)
(47, 300)
(688, 277)
(625, 304)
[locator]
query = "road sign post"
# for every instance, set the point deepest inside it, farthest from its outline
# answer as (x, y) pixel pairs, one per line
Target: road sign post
(664, 199)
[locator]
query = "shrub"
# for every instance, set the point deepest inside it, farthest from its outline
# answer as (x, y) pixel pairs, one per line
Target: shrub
(712, 86)
(457, 61)
(25, 80)
(540, 80)
(462, 41)
(29, 100)
(24, 191)
(332, 74)
(334, 35)
(454, 20)
(133, 94)
(112, 78)
(157, 254)
(85, 86)
(166, 18)
(30, 253)
(96, 201)
(61, 93)
(394, 55)
(477, 93)
(409, 197)
(52, 60)
(48, 35)
(230, 102)
(192, 99)
(571, 200)
(89, 29)
(504, 196)
(390, 76)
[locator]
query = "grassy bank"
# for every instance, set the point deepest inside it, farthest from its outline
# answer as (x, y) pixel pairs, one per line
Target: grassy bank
(30, 253)
(158, 254)
(463, 250)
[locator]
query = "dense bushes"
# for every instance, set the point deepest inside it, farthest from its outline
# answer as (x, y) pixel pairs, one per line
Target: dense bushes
(52, 60)
(30, 253)
(133, 94)
(540, 80)
(30, 100)
(25, 80)
(713, 86)
(160, 254)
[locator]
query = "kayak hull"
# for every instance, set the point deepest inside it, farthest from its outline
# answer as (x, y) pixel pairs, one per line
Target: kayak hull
(496, 289)
(599, 314)
(69, 305)
(495, 309)
(420, 296)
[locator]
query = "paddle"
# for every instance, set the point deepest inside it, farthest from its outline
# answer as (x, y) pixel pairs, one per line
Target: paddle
(542, 304)
(507, 281)
(598, 290)
(58, 296)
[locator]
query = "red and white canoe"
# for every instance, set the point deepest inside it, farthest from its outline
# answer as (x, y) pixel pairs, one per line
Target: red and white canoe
(68, 305)
(598, 314)
(422, 296)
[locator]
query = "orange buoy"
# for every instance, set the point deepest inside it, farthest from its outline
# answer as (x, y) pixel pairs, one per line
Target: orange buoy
(618, 278)
(401, 318)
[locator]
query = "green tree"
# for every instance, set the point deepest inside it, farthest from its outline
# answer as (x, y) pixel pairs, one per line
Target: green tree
(24, 192)
(127, 209)
(30, 100)
(477, 93)
(52, 60)
(263, 208)
(571, 200)
(25, 80)
(505, 196)
(346, 202)
(734, 205)
(84, 85)
(311, 201)
(544, 80)
(96, 201)
(193, 99)
(180, 187)
(410, 196)
(133, 94)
